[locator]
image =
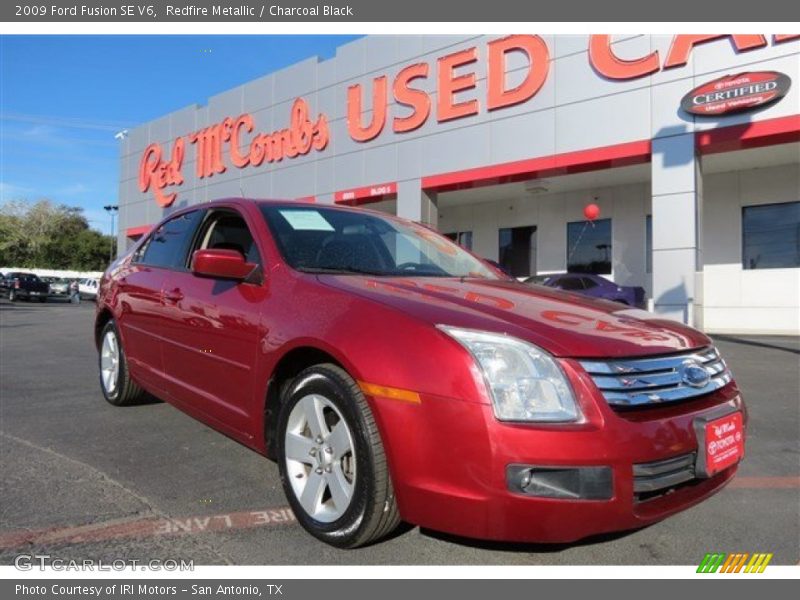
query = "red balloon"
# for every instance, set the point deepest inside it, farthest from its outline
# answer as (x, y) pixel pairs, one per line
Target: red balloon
(591, 211)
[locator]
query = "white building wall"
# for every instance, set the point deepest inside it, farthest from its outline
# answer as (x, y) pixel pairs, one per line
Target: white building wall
(738, 300)
(625, 205)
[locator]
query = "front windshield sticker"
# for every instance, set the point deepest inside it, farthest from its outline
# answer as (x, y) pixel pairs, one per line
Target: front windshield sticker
(306, 220)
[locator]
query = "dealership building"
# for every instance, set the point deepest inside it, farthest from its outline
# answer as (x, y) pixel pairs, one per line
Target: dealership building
(688, 145)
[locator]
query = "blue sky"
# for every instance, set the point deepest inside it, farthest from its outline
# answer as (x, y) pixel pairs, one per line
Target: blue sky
(62, 98)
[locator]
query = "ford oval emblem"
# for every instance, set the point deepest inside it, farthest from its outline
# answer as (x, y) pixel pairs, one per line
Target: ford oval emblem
(694, 374)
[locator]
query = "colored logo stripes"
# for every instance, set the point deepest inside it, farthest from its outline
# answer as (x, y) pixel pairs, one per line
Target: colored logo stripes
(734, 563)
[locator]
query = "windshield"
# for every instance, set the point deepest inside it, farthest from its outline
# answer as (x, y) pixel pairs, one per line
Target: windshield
(329, 240)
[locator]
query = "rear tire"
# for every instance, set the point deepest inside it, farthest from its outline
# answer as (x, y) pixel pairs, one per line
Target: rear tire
(332, 462)
(115, 381)
(42, 299)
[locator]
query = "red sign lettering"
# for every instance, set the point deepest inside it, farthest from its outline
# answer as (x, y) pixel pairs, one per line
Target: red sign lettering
(227, 137)
(158, 174)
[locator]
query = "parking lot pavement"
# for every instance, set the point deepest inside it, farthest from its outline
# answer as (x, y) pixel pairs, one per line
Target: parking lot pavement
(82, 479)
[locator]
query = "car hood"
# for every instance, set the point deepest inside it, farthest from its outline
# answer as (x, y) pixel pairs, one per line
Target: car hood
(563, 323)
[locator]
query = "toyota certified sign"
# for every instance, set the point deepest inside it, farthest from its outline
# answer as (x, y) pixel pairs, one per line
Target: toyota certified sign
(736, 93)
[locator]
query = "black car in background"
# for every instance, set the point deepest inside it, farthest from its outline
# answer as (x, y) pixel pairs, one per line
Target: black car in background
(19, 285)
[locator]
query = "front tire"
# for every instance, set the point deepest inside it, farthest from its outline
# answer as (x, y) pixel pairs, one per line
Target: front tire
(332, 462)
(115, 381)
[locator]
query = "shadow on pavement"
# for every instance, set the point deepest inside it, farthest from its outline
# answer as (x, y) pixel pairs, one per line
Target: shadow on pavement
(782, 343)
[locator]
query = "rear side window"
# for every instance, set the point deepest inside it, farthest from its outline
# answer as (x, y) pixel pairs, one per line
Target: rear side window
(169, 243)
(570, 283)
(588, 283)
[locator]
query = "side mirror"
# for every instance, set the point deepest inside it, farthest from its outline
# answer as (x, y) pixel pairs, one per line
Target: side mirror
(221, 264)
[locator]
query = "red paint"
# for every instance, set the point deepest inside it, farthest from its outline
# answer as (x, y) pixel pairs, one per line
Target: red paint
(592, 159)
(591, 211)
(780, 130)
(222, 264)
(366, 194)
(211, 347)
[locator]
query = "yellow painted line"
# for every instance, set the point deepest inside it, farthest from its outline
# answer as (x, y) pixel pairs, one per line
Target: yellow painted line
(765, 563)
(382, 391)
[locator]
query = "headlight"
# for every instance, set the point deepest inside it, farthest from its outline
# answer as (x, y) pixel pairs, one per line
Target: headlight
(524, 381)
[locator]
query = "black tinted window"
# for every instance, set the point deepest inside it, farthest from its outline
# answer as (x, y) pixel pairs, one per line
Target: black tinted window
(771, 236)
(588, 283)
(168, 244)
(589, 247)
(570, 283)
(359, 242)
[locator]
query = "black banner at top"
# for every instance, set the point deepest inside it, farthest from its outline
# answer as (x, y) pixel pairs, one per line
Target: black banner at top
(151, 11)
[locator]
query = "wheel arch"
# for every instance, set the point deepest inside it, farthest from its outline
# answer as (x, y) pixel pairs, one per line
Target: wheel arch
(291, 363)
(103, 317)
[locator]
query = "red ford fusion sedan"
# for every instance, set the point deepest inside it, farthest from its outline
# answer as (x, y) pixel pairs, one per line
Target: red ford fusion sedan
(395, 376)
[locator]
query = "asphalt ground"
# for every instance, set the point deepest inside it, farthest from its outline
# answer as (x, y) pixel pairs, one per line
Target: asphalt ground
(82, 479)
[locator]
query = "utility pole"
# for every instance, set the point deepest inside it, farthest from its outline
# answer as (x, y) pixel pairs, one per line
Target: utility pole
(111, 209)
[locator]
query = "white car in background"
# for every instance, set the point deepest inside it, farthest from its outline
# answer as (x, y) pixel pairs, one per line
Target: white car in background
(87, 288)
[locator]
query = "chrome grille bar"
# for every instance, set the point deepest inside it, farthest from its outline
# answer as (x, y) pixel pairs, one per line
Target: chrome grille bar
(642, 381)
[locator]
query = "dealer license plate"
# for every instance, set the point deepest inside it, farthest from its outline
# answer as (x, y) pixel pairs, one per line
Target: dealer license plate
(720, 443)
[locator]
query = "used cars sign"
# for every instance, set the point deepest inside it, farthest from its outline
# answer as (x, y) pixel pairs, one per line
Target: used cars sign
(736, 93)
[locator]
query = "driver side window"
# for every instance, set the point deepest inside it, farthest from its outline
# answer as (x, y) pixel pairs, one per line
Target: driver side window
(227, 230)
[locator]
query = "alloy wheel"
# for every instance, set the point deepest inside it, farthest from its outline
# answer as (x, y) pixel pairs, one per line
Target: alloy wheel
(320, 458)
(109, 362)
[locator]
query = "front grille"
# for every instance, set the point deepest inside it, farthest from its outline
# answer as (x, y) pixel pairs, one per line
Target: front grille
(641, 381)
(654, 476)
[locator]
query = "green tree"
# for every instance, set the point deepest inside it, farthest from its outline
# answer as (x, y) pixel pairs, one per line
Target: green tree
(50, 236)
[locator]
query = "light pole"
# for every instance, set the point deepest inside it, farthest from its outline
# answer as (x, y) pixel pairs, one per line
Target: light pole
(111, 209)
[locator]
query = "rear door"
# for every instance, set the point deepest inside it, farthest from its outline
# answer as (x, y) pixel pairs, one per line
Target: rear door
(139, 294)
(212, 329)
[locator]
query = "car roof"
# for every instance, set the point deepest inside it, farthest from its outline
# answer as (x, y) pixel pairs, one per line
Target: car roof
(223, 202)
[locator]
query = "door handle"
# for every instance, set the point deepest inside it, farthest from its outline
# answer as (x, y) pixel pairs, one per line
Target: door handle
(174, 296)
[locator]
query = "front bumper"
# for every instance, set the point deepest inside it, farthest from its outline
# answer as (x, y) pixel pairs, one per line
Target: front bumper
(453, 475)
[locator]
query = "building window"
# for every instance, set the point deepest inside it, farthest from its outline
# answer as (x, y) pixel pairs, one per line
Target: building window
(771, 236)
(648, 244)
(462, 238)
(518, 250)
(589, 247)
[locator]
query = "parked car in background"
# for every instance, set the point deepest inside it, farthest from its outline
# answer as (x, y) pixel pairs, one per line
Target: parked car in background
(87, 288)
(20, 285)
(395, 376)
(60, 287)
(593, 286)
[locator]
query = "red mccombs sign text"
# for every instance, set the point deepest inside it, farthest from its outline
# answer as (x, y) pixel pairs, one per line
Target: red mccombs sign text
(234, 141)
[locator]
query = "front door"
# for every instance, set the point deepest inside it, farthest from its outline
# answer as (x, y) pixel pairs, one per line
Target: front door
(212, 333)
(139, 296)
